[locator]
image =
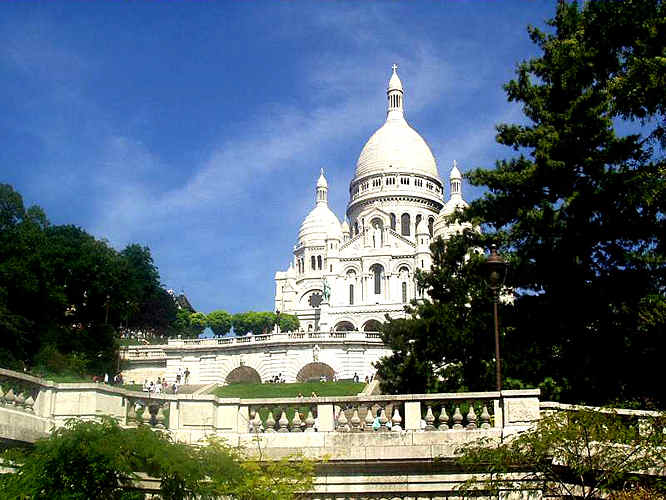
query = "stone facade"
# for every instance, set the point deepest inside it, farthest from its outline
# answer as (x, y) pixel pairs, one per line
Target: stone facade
(291, 356)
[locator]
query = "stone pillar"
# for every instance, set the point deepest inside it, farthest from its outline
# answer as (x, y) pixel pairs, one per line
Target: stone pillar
(243, 420)
(174, 415)
(412, 415)
(521, 409)
(326, 418)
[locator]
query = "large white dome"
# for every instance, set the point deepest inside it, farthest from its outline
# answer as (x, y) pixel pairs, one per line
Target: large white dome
(320, 224)
(396, 147)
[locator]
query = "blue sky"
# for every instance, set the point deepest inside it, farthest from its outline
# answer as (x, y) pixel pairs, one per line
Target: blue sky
(199, 128)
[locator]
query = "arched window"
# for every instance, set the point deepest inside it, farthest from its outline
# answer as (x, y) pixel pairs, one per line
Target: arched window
(319, 262)
(404, 292)
(313, 262)
(418, 219)
(378, 272)
(351, 294)
(431, 222)
(355, 228)
(404, 224)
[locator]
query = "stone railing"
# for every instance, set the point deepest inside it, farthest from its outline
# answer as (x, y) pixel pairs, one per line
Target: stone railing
(414, 412)
(275, 337)
(19, 392)
(158, 351)
(192, 417)
(644, 421)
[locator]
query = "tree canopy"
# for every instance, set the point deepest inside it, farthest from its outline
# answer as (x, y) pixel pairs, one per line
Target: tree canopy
(66, 295)
(578, 213)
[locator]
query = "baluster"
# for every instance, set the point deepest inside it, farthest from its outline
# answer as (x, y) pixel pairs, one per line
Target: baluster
(355, 421)
(383, 421)
(20, 399)
(309, 422)
(145, 416)
(471, 418)
(160, 418)
(257, 424)
(2, 396)
(10, 398)
(343, 424)
(30, 404)
(429, 420)
(457, 419)
(250, 423)
(283, 422)
(131, 411)
(443, 420)
(270, 421)
(296, 422)
(485, 418)
(369, 419)
(396, 420)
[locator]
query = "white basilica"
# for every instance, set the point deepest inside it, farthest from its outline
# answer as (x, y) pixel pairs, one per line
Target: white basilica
(348, 276)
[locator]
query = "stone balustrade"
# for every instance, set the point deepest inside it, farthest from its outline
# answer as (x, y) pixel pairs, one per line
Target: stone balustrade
(158, 351)
(192, 417)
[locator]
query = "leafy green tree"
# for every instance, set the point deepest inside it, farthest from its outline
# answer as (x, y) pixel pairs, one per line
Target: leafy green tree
(241, 323)
(189, 325)
(577, 454)
(198, 322)
(289, 322)
(255, 322)
(446, 343)
(579, 213)
(219, 321)
(60, 288)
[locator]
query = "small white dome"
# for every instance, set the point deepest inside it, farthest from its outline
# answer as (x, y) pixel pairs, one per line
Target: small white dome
(455, 173)
(320, 224)
(345, 226)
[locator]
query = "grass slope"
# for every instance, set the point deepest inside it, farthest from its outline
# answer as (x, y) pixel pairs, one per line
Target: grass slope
(250, 391)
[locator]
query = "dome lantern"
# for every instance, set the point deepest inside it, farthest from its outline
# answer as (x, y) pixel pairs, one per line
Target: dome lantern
(456, 181)
(395, 95)
(322, 189)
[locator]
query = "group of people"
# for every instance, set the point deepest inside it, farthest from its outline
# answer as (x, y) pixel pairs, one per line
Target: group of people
(162, 385)
(117, 379)
(278, 379)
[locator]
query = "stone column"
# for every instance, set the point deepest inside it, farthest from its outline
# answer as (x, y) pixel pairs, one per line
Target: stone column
(412, 415)
(326, 418)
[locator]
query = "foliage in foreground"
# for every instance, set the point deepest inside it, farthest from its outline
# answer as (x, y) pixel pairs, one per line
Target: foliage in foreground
(578, 454)
(86, 460)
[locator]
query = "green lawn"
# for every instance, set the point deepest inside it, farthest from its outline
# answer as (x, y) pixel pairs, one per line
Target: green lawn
(249, 391)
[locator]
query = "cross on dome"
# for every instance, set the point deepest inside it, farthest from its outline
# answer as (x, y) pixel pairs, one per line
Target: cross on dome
(395, 67)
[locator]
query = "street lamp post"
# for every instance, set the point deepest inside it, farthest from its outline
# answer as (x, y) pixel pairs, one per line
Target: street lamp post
(496, 268)
(277, 321)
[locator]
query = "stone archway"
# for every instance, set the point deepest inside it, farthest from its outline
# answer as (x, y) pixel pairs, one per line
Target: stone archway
(314, 371)
(344, 326)
(372, 325)
(243, 375)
